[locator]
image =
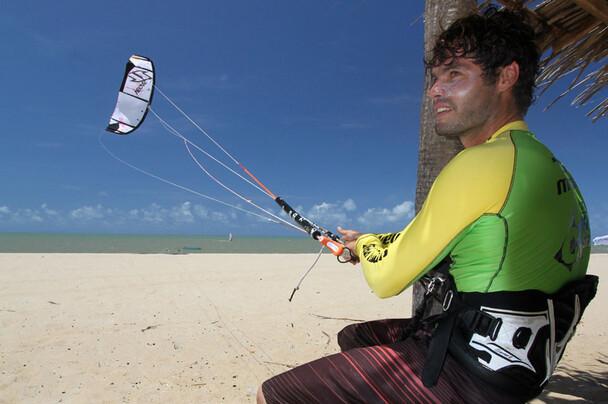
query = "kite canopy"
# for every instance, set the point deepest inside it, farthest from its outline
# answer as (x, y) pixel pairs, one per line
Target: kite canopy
(134, 97)
(602, 240)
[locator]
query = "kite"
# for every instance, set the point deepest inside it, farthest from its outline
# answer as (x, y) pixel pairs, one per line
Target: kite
(134, 96)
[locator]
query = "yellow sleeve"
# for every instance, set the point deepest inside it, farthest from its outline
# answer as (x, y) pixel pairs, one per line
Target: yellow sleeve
(474, 183)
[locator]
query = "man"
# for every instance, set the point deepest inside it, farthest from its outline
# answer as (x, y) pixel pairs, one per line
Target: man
(506, 228)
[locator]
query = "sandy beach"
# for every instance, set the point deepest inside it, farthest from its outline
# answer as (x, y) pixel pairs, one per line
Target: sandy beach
(204, 328)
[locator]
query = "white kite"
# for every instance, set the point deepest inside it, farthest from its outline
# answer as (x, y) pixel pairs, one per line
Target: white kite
(134, 97)
(601, 240)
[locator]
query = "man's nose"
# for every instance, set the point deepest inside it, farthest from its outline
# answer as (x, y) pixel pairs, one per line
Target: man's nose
(436, 90)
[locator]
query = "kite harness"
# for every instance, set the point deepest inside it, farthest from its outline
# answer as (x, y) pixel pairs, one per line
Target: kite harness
(511, 340)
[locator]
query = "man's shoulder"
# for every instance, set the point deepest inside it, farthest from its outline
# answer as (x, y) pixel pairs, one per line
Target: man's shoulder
(526, 143)
(484, 156)
(480, 172)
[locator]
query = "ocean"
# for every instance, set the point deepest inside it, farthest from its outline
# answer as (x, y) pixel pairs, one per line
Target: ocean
(161, 244)
(151, 244)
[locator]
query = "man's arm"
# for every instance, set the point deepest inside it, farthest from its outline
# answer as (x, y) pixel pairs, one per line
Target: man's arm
(474, 183)
(349, 237)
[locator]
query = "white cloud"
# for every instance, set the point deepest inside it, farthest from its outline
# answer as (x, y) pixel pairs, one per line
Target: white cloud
(48, 211)
(89, 213)
(330, 214)
(182, 213)
(327, 213)
(200, 211)
(349, 205)
(152, 214)
(29, 215)
(219, 217)
(380, 216)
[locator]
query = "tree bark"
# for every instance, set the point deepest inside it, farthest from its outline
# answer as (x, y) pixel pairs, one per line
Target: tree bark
(434, 151)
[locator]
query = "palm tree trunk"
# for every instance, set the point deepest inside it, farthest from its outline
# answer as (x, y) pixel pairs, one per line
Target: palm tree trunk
(434, 152)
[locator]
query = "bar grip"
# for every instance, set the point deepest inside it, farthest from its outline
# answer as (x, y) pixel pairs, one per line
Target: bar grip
(335, 247)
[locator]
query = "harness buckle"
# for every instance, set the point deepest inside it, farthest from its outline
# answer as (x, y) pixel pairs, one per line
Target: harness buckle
(432, 283)
(447, 300)
(486, 325)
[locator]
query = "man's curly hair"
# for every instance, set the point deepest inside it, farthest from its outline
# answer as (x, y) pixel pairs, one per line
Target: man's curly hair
(493, 40)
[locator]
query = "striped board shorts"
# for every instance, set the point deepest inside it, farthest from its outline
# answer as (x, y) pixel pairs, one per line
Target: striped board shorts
(378, 365)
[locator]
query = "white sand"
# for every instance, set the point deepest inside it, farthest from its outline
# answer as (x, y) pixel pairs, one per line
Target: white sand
(108, 328)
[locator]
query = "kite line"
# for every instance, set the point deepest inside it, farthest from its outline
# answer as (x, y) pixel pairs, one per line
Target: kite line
(133, 104)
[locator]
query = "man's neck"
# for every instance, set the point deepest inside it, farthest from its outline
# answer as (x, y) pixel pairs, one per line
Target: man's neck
(481, 134)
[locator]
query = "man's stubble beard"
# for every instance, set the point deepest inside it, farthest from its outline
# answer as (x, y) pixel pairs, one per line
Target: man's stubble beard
(464, 121)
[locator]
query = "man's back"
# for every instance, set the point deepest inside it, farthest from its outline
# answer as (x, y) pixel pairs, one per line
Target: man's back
(539, 238)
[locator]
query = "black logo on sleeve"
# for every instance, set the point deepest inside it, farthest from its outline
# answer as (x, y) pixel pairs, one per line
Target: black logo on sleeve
(373, 254)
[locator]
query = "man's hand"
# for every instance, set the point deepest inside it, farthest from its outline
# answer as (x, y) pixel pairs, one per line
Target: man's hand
(350, 241)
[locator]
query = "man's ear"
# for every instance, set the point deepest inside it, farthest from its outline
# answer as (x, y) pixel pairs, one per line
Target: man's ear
(508, 76)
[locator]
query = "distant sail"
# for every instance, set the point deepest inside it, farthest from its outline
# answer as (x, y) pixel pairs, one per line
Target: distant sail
(134, 96)
(229, 236)
(601, 240)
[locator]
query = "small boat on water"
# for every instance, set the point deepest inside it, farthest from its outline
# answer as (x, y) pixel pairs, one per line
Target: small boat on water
(188, 248)
(229, 236)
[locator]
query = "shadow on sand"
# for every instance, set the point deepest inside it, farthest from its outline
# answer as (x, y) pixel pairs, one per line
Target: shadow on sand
(578, 386)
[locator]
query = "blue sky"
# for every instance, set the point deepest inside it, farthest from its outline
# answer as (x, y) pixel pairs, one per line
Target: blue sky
(320, 99)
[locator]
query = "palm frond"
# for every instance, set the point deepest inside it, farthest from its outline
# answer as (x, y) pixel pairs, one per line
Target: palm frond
(576, 34)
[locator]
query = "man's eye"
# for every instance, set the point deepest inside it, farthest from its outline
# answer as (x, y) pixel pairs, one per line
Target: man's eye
(453, 73)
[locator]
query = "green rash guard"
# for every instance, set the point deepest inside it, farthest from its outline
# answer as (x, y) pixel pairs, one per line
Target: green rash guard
(507, 213)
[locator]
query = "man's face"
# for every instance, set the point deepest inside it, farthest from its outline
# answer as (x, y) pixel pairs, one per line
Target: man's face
(462, 99)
